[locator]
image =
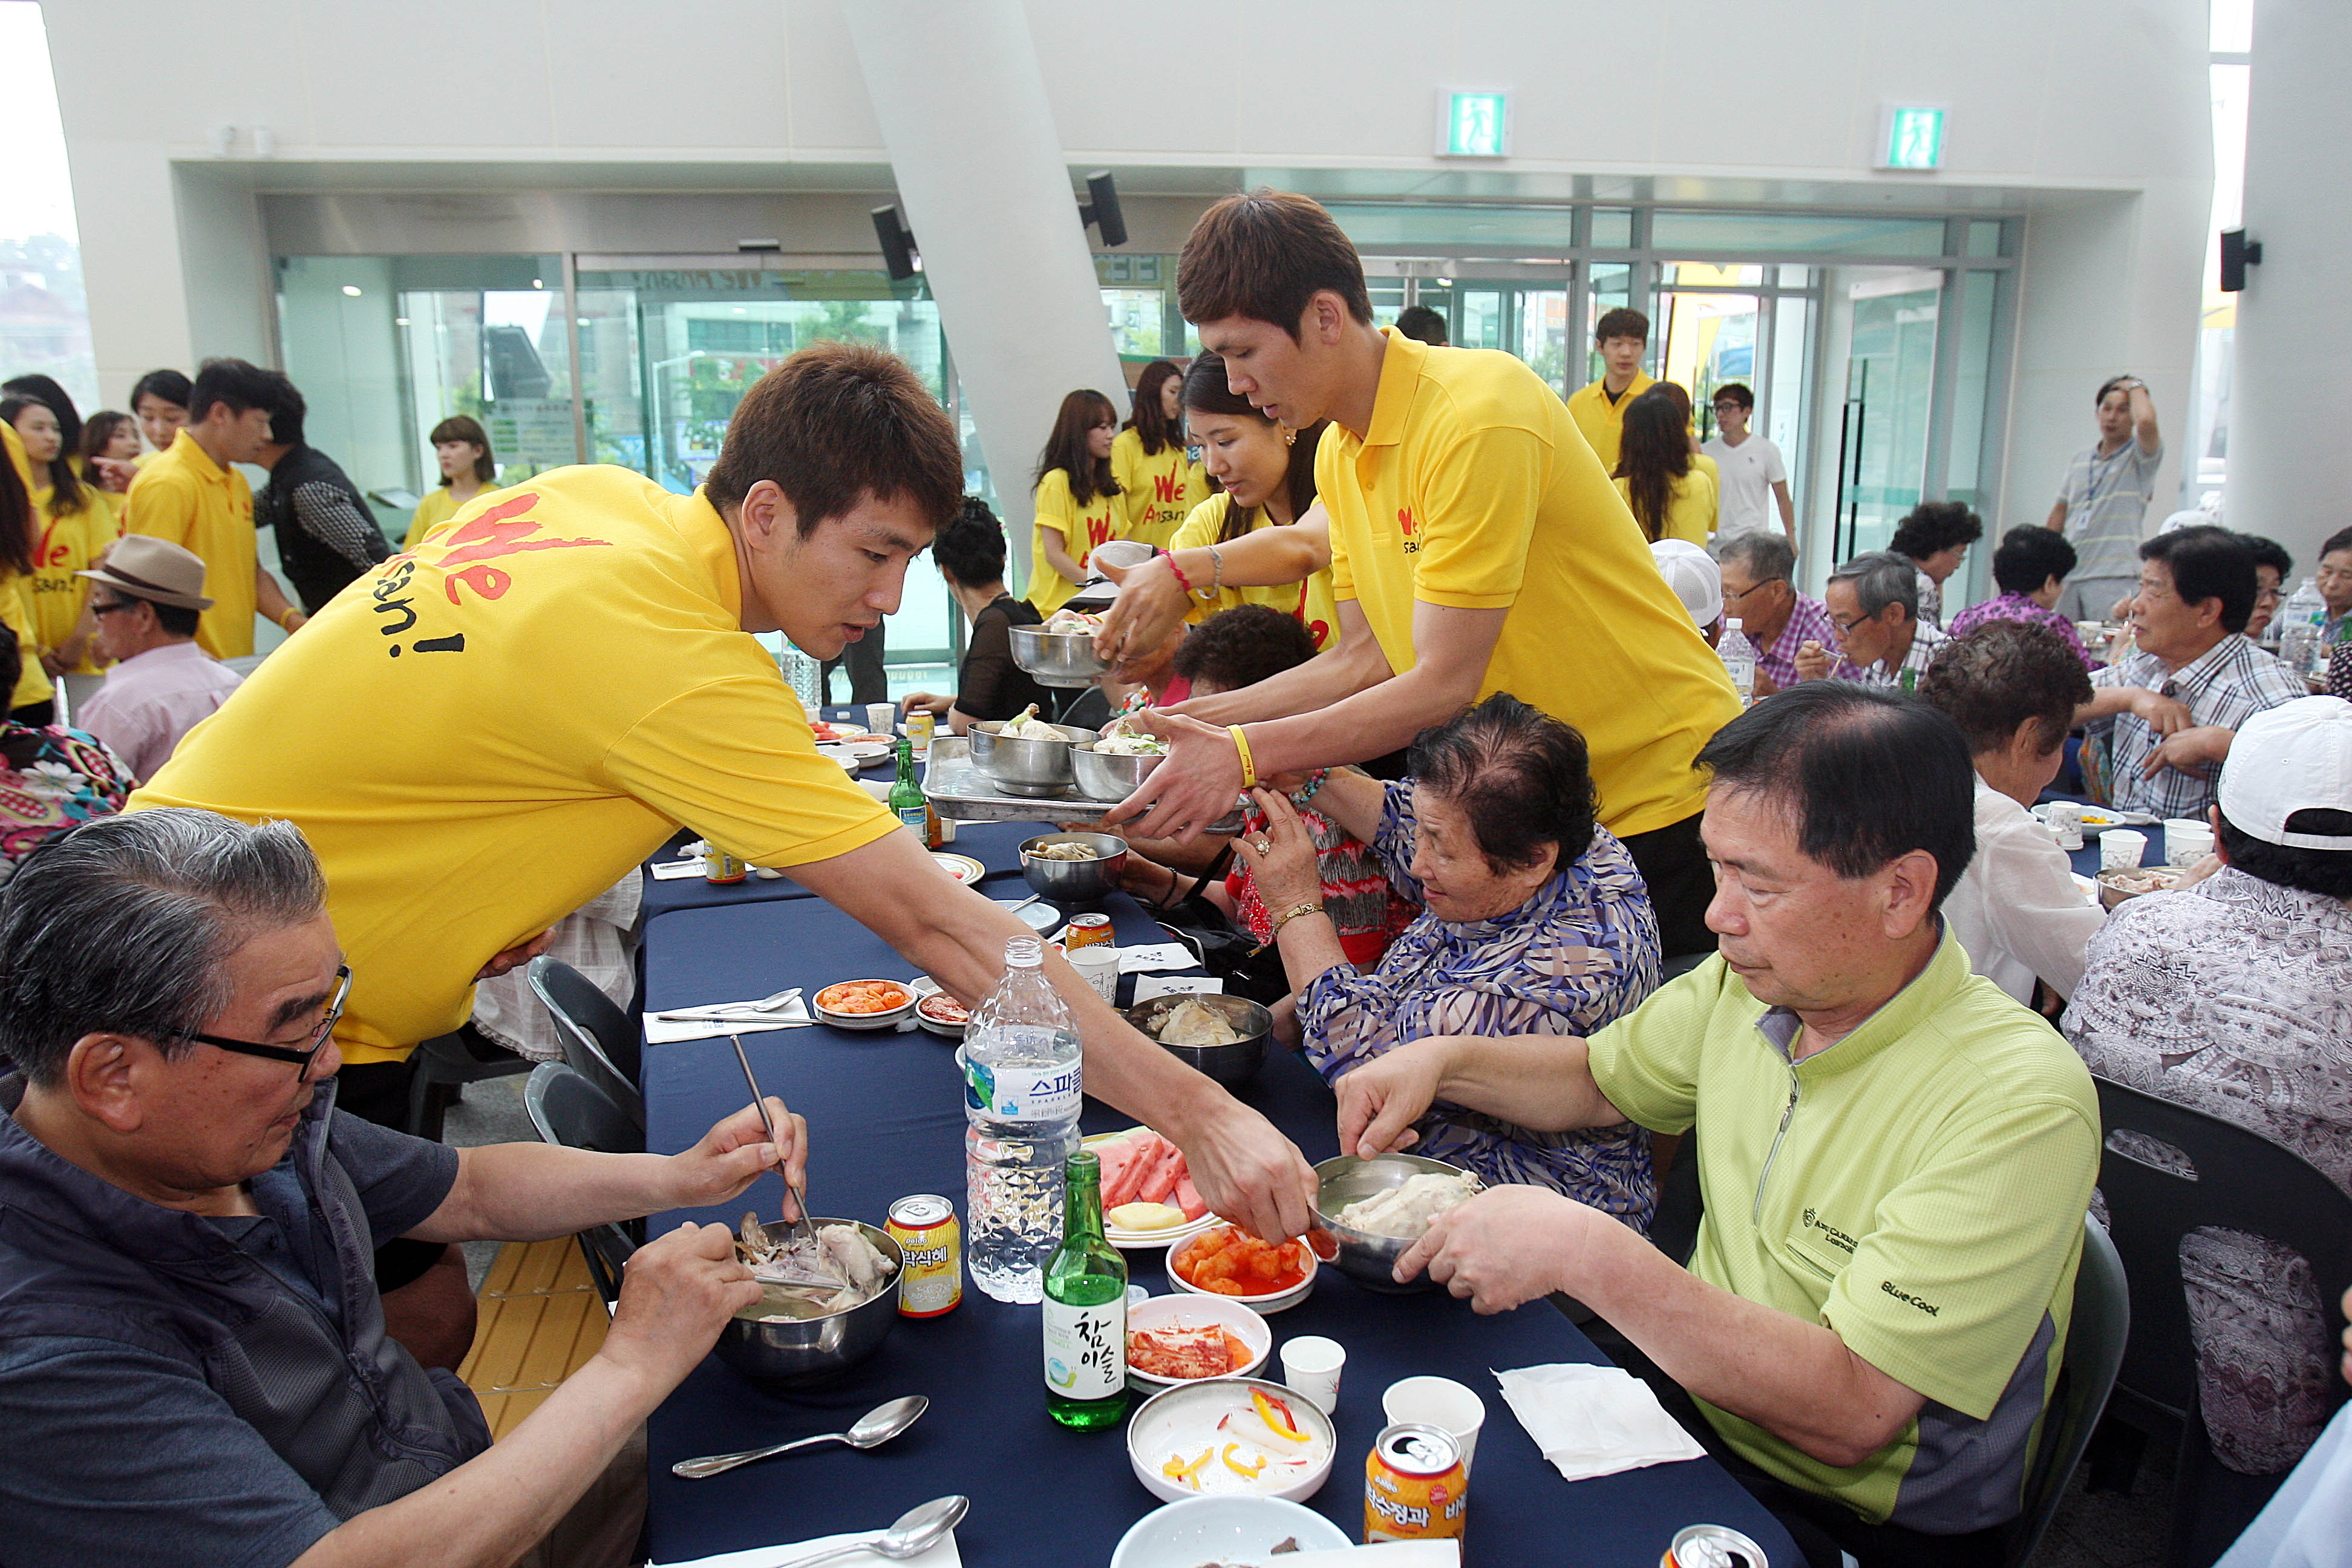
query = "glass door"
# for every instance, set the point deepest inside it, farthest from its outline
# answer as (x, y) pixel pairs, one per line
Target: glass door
(1889, 391)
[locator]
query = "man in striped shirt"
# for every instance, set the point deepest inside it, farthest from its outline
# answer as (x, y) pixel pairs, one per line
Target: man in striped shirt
(1874, 605)
(1774, 616)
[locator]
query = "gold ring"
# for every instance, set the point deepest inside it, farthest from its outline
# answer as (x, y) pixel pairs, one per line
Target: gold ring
(1260, 845)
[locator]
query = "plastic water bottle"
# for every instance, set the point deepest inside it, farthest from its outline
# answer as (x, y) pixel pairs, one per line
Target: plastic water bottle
(1021, 1090)
(805, 676)
(1740, 659)
(2301, 620)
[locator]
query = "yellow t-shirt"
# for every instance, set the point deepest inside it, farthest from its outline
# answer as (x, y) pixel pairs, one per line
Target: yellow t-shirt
(1603, 421)
(1473, 489)
(1310, 601)
(438, 508)
(1082, 528)
(1690, 506)
(1707, 465)
(15, 596)
(67, 544)
(481, 735)
(1161, 491)
(183, 496)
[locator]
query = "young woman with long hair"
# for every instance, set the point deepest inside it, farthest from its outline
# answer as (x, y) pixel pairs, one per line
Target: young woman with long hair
(1079, 503)
(30, 701)
(462, 448)
(1670, 497)
(1160, 480)
(73, 529)
(110, 446)
(1267, 477)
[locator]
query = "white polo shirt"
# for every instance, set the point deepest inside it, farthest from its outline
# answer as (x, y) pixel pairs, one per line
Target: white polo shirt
(1749, 471)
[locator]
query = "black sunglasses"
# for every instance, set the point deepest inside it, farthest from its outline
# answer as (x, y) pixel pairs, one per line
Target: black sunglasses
(301, 1058)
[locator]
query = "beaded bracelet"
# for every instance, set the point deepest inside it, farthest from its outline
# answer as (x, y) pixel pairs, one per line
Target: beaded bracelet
(1313, 787)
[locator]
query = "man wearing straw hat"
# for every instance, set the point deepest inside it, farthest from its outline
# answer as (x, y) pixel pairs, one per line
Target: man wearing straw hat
(146, 596)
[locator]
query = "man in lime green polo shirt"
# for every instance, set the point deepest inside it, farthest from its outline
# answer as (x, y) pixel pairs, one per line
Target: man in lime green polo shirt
(1896, 1157)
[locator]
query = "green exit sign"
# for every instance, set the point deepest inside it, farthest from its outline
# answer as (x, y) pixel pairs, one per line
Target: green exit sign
(1910, 136)
(1475, 125)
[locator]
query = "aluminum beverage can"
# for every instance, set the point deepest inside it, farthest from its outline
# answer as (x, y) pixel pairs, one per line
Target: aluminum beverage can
(1088, 931)
(1415, 1487)
(717, 866)
(1712, 1546)
(930, 1280)
(918, 728)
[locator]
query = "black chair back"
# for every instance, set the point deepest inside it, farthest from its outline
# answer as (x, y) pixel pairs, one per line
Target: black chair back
(599, 1042)
(568, 1109)
(2096, 1333)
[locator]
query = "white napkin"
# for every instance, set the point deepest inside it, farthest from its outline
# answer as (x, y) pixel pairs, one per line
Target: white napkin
(1147, 987)
(676, 870)
(1594, 1420)
(943, 1556)
(1158, 955)
(669, 1031)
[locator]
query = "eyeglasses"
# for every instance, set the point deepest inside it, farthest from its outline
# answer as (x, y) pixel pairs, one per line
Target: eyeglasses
(1845, 628)
(1752, 588)
(301, 1058)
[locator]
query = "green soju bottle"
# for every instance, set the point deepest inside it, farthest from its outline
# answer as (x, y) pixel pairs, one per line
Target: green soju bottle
(1085, 1309)
(907, 802)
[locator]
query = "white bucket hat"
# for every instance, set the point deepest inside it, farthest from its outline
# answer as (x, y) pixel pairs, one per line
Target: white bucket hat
(2294, 757)
(1694, 576)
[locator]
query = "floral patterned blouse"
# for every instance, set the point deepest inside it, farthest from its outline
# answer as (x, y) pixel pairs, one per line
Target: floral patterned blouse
(50, 779)
(1580, 953)
(2234, 997)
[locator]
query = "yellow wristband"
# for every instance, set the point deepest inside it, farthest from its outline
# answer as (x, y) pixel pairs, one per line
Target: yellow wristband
(1241, 744)
(288, 614)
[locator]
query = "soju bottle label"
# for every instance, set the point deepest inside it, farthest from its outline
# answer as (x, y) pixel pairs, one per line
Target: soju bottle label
(916, 817)
(1086, 1349)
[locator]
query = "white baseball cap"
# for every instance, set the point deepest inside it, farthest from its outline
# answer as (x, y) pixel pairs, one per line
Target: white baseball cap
(2294, 757)
(1694, 576)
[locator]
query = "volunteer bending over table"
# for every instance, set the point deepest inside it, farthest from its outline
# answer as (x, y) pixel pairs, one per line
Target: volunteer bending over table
(193, 1359)
(484, 734)
(1895, 1157)
(1476, 545)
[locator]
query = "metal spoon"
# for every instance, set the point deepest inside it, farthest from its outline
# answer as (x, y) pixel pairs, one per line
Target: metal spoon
(917, 1530)
(730, 1009)
(800, 1226)
(877, 1427)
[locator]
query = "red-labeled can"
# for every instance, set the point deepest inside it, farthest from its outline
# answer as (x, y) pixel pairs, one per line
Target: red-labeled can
(1415, 1485)
(1086, 930)
(1712, 1546)
(930, 1242)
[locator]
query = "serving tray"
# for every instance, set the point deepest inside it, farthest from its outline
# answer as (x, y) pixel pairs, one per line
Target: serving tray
(959, 789)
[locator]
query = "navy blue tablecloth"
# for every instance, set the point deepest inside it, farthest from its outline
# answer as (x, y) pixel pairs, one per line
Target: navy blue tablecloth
(992, 844)
(885, 1120)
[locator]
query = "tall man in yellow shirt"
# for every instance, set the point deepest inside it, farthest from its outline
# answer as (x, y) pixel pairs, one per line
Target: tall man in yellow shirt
(1476, 545)
(1623, 336)
(191, 495)
(481, 734)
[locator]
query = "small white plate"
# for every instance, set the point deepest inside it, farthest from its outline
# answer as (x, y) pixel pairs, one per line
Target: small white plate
(1225, 1529)
(924, 987)
(1263, 1306)
(1144, 1240)
(1039, 917)
(963, 867)
(1190, 1413)
(1199, 1311)
(889, 1020)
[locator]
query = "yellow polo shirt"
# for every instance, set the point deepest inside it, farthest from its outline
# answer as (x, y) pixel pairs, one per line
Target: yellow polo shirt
(482, 734)
(67, 544)
(1473, 489)
(1603, 421)
(1310, 601)
(438, 508)
(183, 496)
(16, 596)
(1160, 490)
(1082, 528)
(1690, 506)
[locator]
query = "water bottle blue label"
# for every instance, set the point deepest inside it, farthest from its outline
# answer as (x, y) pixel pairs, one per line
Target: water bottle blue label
(1022, 1094)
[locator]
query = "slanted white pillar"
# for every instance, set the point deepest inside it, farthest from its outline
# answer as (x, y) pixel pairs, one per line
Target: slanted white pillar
(2290, 397)
(963, 110)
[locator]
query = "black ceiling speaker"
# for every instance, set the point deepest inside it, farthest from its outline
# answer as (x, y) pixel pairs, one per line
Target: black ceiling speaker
(897, 244)
(1103, 210)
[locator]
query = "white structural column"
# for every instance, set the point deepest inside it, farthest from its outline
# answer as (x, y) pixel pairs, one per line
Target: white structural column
(966, 118)
(2290, 394)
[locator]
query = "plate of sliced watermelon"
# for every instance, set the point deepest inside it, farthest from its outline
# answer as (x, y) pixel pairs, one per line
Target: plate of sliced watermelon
(1148, 1199)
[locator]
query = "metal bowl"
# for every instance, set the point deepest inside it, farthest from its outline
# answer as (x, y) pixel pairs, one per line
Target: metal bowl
(800, 1351)
(1057, 659)
(1026, 766)
(1106, 775)
(1370, 1260)
(1229, 1064)
(1074, 882)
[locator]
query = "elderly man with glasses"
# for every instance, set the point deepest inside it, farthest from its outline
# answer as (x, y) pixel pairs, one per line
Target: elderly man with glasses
(146, 596)
(1759, 592)
(1874, 605)
(193, 1354)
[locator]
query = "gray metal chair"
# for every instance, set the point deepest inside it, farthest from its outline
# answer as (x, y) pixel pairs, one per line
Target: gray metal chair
(568, 1109)
(2095, 1336)
(599, 1042)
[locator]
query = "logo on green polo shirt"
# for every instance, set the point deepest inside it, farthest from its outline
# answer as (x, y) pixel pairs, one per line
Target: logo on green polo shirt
(1836, 1237)
(1909, 1299)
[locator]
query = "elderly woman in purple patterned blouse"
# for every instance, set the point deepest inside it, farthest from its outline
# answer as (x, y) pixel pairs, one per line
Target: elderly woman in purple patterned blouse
(1535, 921)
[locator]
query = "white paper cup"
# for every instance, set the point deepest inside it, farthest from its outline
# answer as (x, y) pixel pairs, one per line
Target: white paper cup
(1311, 1365)
(2120, 847)
(2065, 820)
(882, 718)
(2185, 841)
(1097, 965)
(1439, 1402)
